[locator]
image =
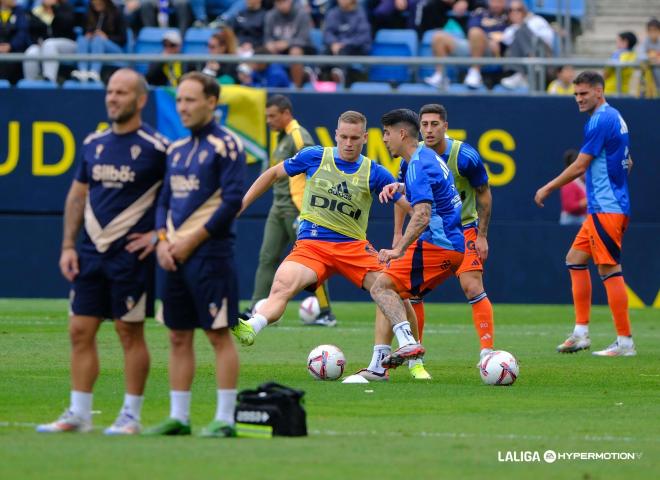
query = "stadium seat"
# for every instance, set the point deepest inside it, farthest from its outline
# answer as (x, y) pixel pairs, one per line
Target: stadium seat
(371, 87)
(417, 88)
(4, 83)
(550, 8)
(461, 88)
(39, 84)
(75, 85)
(149, 40)
(425, 50)
(501, 90)
(196, 40)
(393, 43)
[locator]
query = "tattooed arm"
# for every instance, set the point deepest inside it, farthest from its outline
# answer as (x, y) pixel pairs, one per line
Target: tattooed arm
(420, 219)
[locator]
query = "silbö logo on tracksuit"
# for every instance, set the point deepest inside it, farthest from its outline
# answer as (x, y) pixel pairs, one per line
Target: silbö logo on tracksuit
(334, 205)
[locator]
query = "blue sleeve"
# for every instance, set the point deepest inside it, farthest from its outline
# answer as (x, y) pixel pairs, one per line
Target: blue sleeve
(403, 168)
(379, 178)
(418, 186)
(594, 138)
(471, 166)
(308, 158)
(163, 204)
(232, 184)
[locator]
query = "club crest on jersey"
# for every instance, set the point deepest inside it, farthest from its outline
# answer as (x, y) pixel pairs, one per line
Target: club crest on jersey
(130, 303)
(202, 156)
(135, 151)
(99, 149)
(213, 309)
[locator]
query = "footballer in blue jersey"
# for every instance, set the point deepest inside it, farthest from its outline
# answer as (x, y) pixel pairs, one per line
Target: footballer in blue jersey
(432, 246)
(195, 218)
(605, 158)
(335, 212)
(113, 197)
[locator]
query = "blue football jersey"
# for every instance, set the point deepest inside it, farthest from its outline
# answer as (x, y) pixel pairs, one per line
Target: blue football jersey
(124, 173)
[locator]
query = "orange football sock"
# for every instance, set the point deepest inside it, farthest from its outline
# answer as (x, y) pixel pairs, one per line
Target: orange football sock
(581, 285)
(617, 298)
(419, 312)
(482, 316)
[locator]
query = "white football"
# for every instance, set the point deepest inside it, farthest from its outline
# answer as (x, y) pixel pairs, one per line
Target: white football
(326, 362)
(309, 309)
(499, 368)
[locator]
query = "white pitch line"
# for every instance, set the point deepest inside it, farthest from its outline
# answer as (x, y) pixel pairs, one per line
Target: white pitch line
(500, 436)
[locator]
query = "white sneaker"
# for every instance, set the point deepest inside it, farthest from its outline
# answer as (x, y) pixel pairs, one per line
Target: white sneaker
(94, 77)
(482, 354)
(436, 80)
(517, 80)
(616, 350)
(126, 424)
(473, 78)
(80, 75)
(574, 343)
(68, 422)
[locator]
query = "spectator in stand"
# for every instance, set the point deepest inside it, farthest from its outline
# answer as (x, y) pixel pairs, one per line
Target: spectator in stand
(226, 10)
(14, 37)
(222, 42)
(51, 27)
(105, 32)
(346, 31)
(435, 14)
(392, 13)
(286, 31)
(167, 73)
(166, 13)
(573, 196)
(485, 28)
(650, 51)
(625, 52)
(262, 74)
(563, 84)
(248, 26)
(528, 35)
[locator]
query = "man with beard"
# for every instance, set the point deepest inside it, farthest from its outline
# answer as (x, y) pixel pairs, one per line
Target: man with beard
(113, 195)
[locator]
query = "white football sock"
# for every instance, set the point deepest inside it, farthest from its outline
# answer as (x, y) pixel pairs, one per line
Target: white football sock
(81, 404)
(133, 405)
(403, 334)
(581, 330)
(624, 341)
(180, 405)
(258, 322)
(380, 352)
(226, 405)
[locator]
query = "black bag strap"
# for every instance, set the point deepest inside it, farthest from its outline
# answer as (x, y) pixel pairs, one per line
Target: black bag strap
(274, 387)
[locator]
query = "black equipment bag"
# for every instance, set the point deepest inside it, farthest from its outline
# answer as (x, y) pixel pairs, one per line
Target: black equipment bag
(272, 406)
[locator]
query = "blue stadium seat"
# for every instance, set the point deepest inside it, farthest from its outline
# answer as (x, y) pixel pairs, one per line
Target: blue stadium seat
(317, 39)
(550, 8)
(39, 84)
(425, 50)
(371, 87)
(393, 43)
(462, 88)
(197, 39)
(417, 88)
(4, 83)
(500, 90)
(149, 40)
(75, 85)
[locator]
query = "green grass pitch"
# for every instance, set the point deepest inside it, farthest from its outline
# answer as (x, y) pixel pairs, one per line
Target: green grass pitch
(451, 427)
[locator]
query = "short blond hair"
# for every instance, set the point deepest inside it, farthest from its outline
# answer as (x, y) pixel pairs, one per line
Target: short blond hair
(353, 117)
